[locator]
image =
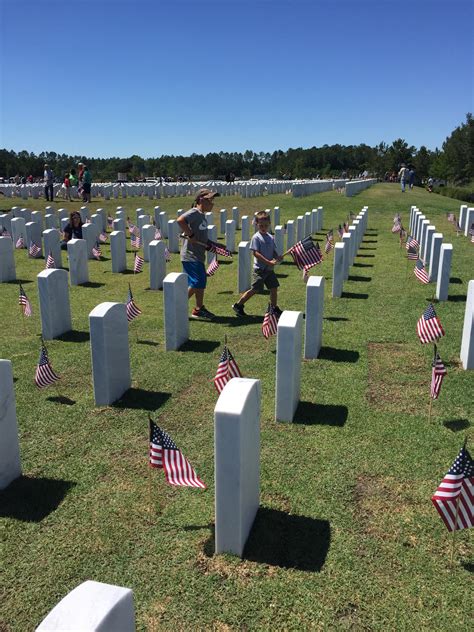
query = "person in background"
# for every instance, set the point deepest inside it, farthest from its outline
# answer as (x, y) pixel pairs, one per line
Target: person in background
(67, 187)
(73, 182)
(48, 178)
(411, 177)
(72, 230)
(403, 175)
(86, 184)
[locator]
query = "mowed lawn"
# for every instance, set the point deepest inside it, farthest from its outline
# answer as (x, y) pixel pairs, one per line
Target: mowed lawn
(346, 536)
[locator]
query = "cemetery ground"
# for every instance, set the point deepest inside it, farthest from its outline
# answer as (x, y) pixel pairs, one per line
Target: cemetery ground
(346, 536)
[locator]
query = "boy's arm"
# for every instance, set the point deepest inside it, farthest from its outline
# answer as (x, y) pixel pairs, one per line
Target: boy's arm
(258, 255)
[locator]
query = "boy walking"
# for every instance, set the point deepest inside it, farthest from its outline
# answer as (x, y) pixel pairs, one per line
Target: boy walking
(265, 257)
(193, 223)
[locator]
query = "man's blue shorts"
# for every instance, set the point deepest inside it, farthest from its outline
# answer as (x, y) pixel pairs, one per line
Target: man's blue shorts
(196, 274)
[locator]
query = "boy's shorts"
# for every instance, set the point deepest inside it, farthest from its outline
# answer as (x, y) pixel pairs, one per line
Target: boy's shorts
(196, 274)
(264, 277)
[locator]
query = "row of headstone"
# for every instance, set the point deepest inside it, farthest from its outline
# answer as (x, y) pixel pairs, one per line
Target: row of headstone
(356, 186)
(432, 251)
(466, 218)
(346, 250)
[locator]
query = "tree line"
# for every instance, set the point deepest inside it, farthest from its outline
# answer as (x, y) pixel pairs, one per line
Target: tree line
(453, 163)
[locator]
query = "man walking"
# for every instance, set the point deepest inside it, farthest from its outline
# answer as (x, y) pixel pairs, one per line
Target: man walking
(48, 183)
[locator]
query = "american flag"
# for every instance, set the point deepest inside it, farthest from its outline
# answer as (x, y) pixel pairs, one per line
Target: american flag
(471, 232)
(412, 253)
(270, 322)
(411, 242)
(219, 249)
(24, 302)
(167, 255)
(44, 375)
(451, 217)
(346, 227)
(164, 454)
(96, 251)
(138, 263)
(329, 246)
(34, 250)
(226, 370)
(103, 237)
(437, 375)
(458, 226)
(135, 241)
(340, 231)
(396, 228)
(213, 267)
(420, 272)
(454, 498)
(132, 310)
(158, 234)
(428, 327)
(50, 263)
(397, 218)
(306, 254)
(5, 233)
(20, 243)
(87, 221)
(110, 221)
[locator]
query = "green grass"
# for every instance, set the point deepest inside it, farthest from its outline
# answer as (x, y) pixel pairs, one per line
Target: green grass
(346, 538)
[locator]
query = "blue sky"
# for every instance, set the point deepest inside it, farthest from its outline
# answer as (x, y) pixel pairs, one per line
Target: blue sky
(117, 78)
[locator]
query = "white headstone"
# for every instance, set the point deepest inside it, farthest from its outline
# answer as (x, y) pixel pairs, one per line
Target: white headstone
(223, 220)
(467, 341)
(10, 464)
(444, 272)
(308, 224)
(18, 230)
(164, 224)
(290, 233)
(52, 245)
(118, 250)
(175, 289)
(245, 228)
(90, 234)
(346, 240)
(288, 365)
(276, 216)
(230, 235)
(462, 216)
(78, 267)
(118, 224)
(148, 235)
(37, 217)
(429, 241)
(212, 235)
(7, 260)
(436, 242)
(299, 227)
(245, 266)
(235, 216)
(314, 316)
(92, 607)
(33, 234)
(279, 240)
(469, 220)
(338, 270)
(157, 264)
(51, 221)
(173, 235)
(237, 463)
(110, 352)
(54, 305)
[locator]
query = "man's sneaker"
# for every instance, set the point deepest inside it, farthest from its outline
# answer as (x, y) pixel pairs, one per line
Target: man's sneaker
(239, 309)
(277, 311)
(202, 312)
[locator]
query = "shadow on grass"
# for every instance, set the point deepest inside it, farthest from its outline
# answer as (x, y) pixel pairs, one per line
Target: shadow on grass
(311, 414)
(150, 343)
(363, 265)
(457, 298)
(361, 279)
(32, 499)
(138, 398)
(18, 281)
(127, 272)
(92, 284)
(354, 295)
(338, 355)
(226, 292)
(366, 256)
(455, 280)
(237, 321)
(74, 336)
(370, 241)
(200, 346)
(468, 566)
(334, 319)
(361, 248)
(456, 425)
(61, 399)
(285, 540)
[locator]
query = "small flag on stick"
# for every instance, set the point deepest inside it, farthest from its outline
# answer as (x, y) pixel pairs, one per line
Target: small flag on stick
(437, 375)
(219, 249)
(429, 328)
(24, 302)
(44, 375)
(306, 254)
(454, 498)
(50, 263)
(164, 454)
(96, 251)
(138, 263)
(226, 369)
(213, 267)
(270, 322)
(420, 272)
(132, 310)
(20, 243)
(33, 250)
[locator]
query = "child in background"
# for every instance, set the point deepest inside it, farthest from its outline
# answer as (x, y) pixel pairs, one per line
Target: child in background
(265, 257)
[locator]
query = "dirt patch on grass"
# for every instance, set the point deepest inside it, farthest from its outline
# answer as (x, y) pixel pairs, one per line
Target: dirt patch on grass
(224, 568)
(396, 381)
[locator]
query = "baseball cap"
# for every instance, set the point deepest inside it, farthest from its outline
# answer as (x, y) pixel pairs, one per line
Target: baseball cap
(206, 193)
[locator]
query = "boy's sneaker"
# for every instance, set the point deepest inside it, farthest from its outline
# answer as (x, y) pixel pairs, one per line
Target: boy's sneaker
(239, 309)
(202, 312)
